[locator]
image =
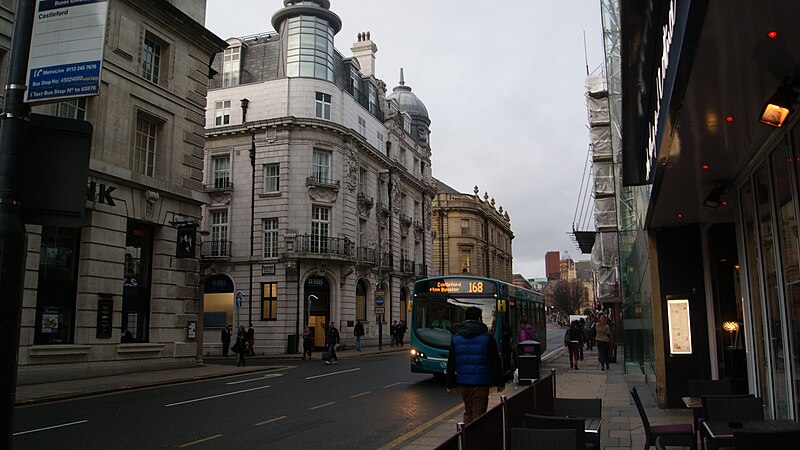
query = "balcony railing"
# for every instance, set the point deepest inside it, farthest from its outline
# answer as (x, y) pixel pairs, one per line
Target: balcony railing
(406, 266)
(366, 255)
(321, 245)
(216, 249)
(386, 261)
(421, 270)
(319, 181)
(219, 185)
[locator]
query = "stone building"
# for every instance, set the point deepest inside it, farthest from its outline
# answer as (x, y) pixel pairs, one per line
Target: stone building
(111, 296)
(319, 183)
(471, 236)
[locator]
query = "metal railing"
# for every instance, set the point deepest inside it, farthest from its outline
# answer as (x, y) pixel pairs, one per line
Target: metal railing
(322, 245)
(366, 255)
(216, 249)
(219, 185)
(319, 181)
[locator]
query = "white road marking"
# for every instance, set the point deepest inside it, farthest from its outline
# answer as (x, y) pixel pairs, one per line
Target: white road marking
(332, 373)
(322, 405)
(360, 395)
(271, 375)
(50, 428)
(216, 396)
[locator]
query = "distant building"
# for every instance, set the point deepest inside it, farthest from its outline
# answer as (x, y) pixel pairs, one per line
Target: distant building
(551, 264)
(472, 237)
(520, 281)
(566, 269)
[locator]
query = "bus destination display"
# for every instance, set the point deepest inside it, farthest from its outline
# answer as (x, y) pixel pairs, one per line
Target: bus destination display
(460, 286)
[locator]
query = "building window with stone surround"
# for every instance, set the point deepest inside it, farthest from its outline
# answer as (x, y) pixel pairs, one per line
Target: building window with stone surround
(272, 178)
(136, 282)
(373, 99)
(57, 285)
(269, 301)
(153, 50)
(221, 169)
(271, 237)
(323, 106)
(144, 146)
(320, 228)
(72, 109)
(465, 258)
(362, 126)
(380, 141)
(230, 66)
(222, 113)
(465, 227)
(219, 233)
(321, 168)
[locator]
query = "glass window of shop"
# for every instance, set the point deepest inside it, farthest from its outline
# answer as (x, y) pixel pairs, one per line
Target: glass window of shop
(136, 283)
(57, 286)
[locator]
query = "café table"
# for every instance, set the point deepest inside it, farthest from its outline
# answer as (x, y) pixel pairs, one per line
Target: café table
(721, 431)
(692, 402)
(593, 424)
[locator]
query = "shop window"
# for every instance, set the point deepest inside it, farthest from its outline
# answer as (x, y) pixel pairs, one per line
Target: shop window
(57, 286)
(136, 283)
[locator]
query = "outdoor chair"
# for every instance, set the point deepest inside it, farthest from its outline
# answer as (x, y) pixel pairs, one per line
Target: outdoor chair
(734, 408)
(702, 415)
(580, 407)
(542, 439)
(676, 434)
(759, 440)
(559, 423)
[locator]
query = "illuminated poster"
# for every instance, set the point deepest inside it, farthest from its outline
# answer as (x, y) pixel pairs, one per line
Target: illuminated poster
(680, 332)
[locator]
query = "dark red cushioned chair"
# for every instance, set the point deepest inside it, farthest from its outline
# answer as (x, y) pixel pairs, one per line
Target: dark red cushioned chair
(677, 434)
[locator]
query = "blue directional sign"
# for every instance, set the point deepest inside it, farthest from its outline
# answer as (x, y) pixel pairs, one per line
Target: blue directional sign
(239, 299)
(379, 298)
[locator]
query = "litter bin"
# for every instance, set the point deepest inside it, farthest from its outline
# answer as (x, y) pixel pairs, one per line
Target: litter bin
(528, 363)
(291, 344)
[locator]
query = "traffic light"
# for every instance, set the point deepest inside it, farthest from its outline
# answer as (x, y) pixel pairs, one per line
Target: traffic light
(598, 306)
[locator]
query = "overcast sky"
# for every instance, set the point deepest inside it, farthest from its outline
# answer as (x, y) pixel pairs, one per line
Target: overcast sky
(503, 82)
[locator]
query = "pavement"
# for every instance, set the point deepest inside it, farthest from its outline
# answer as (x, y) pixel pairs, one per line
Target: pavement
(621, 428)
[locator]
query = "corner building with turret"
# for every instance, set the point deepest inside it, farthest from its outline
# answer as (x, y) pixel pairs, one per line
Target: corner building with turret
(319, 185)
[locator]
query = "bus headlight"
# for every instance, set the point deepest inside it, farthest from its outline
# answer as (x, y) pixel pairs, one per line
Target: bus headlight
(417, 353)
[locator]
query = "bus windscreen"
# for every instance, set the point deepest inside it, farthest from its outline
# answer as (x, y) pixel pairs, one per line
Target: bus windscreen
(436, 320)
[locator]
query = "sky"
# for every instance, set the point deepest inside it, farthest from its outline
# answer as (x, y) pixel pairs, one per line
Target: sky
(503, 82)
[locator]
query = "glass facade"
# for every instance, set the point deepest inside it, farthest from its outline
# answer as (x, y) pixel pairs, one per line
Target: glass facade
(310, 48)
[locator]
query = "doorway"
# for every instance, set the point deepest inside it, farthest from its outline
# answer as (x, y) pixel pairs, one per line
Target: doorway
(317, 294)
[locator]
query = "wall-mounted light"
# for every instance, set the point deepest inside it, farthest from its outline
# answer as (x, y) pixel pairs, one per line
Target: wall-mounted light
(714, 198)
(779, 106)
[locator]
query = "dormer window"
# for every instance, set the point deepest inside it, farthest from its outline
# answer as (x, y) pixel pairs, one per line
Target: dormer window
(407, 124)
(355, 82)
(230, 66)
(373, 99)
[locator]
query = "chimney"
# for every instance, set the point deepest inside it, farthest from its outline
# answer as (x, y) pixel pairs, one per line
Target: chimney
(364, 51)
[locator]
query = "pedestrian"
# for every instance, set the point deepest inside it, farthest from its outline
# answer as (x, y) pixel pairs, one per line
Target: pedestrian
(527, 334)
(401, 332)
(240, 346)
(308, 338)
(226, 340)
(358, 332)
(573, 341)
(251, 340)
(474, 364)
(591, 335)
(393, 333)
(332, 339)
(604, 339)
(582, 328)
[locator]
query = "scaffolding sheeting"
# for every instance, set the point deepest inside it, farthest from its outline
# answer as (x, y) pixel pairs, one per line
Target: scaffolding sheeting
(598, 111)
(603, 172)
(605, 214)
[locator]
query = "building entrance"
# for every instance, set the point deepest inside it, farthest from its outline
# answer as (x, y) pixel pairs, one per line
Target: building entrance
(317, 309)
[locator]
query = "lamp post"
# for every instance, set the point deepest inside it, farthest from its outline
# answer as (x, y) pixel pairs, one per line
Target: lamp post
(252, 218)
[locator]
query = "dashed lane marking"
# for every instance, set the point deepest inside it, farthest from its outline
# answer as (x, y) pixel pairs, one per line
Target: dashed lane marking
(396, 384)
(360, 395)
(269, 375)
(200, 441)
(20, 433)
(274, 419)
(332, 373)
(215, 396)
(322, 405)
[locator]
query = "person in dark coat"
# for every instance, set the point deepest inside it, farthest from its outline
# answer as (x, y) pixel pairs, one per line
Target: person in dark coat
(251, 341)
(226, 340)
(401, 332)
(308, 338)
(573, 339)
(358, 332)
(240, 346)
(474, 365)
(332, 339)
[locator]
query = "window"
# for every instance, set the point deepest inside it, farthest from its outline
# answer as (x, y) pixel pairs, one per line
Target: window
(422, 168)
(362, 126)
(403, 157)
(355, 82)
(465, 226)
(362, 181)
(151, 57)
(144, 149)
(72, 109)
(271, 178)
(321, 166)
(57, 286)
(310, 48)
(464, 257)
(269, 301)
(271, 237)
(222, 112)
(219, 233)
(416, 163)
(221, 168)
(380, 141)
(320, 227)
(230, 66)
(323, 110)
(373, 99)
(407, 124)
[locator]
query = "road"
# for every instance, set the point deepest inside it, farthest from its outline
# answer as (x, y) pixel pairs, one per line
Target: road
(360, 403)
